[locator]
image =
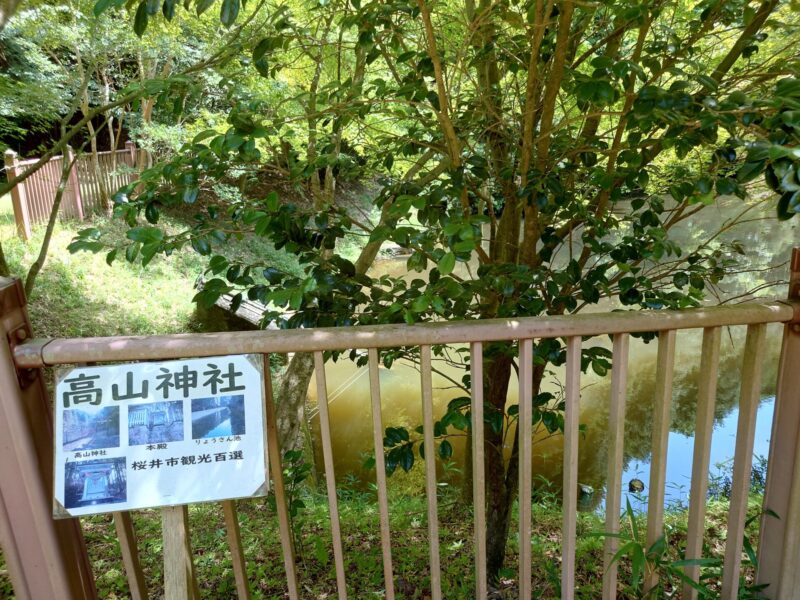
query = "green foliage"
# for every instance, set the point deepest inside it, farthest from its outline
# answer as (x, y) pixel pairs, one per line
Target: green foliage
(34, 91)
(658, 558)
(295, 472)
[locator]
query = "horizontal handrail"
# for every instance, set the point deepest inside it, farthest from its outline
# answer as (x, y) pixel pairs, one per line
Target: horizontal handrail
(49, 352)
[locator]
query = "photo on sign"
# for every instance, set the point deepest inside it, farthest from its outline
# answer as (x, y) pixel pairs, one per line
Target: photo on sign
(91, 428)
(156, 422)
(101, 481)
(217, 417)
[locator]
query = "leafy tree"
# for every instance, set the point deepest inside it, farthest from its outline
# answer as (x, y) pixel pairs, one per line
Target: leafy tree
(74, 77)
(535, 156)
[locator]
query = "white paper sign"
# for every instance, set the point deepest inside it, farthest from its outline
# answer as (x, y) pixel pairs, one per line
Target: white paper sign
(159, 434)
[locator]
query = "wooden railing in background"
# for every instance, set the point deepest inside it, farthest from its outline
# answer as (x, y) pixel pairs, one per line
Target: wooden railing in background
(33, 198)
(32, 539)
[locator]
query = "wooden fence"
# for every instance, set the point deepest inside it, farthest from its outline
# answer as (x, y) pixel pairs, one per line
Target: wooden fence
(47, 558)
(33, 198)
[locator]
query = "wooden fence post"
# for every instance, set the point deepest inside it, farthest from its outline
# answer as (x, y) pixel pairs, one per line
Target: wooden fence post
(779, 545)
(18, 197)
(46, 558)
(131, 147)
(74, 182)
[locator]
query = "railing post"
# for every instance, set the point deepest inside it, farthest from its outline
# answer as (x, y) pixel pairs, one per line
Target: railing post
(779, 546)
(74, 181)
(18, 197)
(131, 147)
(46, 558)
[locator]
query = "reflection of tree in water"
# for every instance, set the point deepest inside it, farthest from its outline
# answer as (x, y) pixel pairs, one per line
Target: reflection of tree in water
(222, 415)
(593, 453)
(639, 418)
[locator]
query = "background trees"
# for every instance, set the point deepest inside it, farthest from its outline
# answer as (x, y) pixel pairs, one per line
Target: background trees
(533, 159)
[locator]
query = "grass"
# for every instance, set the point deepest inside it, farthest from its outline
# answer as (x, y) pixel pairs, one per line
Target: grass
(363, 567)
(79, 295)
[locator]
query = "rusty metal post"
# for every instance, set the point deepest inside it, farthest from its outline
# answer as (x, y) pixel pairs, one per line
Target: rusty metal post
(46, 558)
(779, 546)
(74, 182)
(18, 196)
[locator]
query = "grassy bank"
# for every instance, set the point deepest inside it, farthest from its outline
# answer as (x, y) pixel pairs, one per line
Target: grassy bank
(363, 568)
(80, 295)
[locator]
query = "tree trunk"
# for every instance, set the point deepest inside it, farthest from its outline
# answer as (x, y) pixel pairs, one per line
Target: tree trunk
(99, 174)
(37, 265)
(502, 478)
(496, 379)
(4, 269)
(292, 392)
(7, 10)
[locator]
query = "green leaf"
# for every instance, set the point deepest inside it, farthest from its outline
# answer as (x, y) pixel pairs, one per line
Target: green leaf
(228, 12)
(703, 185)
(726, 187)
(272, 201)
(168, 9)
(789, 182)
(190, 195)
(152, 7)
(600, 368)
(445, 450)
(262, 66)
(417, 262)
(789, 87)
(202, 6)
(680, 280)
(103, 5)
(791, 118)
(785, 210)
(140, 20)
(201, 246)
(204, 135)
(707, 82)
(638, 564)
(749, 171)
(151, 213)
(407, 458)
(217, 264)
(261, 48)
(494, 419)
(145, 235)
(132, 251)
(420, 304)
(296, 299)
(447, 263)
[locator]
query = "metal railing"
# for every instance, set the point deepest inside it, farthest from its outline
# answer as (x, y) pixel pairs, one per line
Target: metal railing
(779, 550)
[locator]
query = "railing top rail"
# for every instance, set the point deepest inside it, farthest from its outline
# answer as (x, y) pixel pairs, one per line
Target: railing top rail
(47, 352)
(31, 161)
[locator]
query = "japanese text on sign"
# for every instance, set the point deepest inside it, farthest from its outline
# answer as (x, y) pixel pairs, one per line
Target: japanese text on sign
(159, 434)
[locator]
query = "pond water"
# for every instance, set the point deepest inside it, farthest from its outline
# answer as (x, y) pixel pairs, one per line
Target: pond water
(681, 450)
(768, 245)
(212, 424)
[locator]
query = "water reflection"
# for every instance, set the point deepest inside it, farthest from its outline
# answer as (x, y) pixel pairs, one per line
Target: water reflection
(401, 405)
(768, 245)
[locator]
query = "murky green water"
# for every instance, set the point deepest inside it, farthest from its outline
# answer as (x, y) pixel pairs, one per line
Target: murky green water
(768, 245)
